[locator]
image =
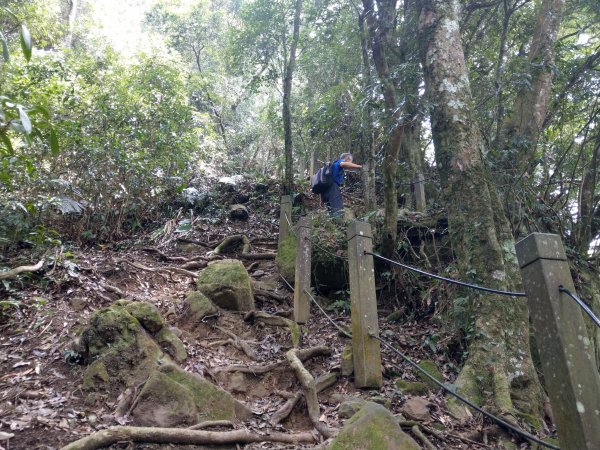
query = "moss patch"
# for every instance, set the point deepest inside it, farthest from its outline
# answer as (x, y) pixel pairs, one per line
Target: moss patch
(197, 306)
(411, 387)
(95, 376)
(431, 368)
(171, 344)
(286, 258)
(347, 364)
(147, 315)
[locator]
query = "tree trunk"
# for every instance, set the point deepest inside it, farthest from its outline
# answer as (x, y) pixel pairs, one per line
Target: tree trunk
(287, 93)
(499, 371)
(72, 20)
(380, 23)
(368, 137)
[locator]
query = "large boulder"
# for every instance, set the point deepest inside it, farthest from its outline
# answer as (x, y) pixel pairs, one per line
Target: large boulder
(173, 397)
(373, 428)
(196, 307)
(124, 342)
(227, 284)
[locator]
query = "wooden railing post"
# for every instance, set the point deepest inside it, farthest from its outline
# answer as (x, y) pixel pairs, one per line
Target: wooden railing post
(366, 352)
(303, 268)
(419, 191)
(564, 347)
(285, 217)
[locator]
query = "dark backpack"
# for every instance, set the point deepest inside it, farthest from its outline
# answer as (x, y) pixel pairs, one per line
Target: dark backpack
(322, 179)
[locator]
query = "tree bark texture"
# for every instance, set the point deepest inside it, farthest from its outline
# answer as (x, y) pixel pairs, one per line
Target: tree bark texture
(287, 94)
(499, 369)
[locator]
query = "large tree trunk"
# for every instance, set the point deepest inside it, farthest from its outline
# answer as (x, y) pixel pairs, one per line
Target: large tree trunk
(380, 23)
(499, 371)
(367, 131)
(287, 93)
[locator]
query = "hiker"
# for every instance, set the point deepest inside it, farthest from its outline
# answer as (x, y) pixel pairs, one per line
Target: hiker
(332, 197)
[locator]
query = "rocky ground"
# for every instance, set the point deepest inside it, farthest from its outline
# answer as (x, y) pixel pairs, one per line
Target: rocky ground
(43, 404)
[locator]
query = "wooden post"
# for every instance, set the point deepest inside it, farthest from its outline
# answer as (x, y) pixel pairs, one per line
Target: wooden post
(303, 268)
(419, 191)
(565, 349)
(366, 352)
(285, 217)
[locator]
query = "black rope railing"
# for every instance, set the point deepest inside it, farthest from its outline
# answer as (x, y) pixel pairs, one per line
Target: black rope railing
(449, 280)
(581, 303)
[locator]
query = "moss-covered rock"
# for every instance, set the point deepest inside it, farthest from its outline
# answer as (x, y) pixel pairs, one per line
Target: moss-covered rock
(286, 258)
(147, 315)
(411, 387)
(171, 344)
(431, 368)
(197, 306)
(172, 396)
(227, 284)
(95, 376)
(373, 428)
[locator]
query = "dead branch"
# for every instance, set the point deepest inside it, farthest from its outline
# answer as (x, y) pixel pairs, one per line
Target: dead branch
(211, 423)
(303, 355)
(322, 383)
(17, 270)
(276, 321)
(112, 435)
(310, 392)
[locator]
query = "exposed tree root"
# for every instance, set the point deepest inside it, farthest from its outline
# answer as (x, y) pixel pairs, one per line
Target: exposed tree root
(240, 344)
(168, 269)
(321, 383)
(237, 239)
(276, 321)
(112, 435)
(17, 270)
(258, 255)
(303, 355)
(421, 437)
(197, 262)
(310, 392)
(271, 294)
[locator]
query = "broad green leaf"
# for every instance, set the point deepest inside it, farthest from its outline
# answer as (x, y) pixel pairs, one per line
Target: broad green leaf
(6, 141)
(25, 121)
(54, 148)
(40, 109)
(26, 42)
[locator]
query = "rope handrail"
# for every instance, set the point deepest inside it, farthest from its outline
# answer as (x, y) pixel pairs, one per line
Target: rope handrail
(449, 280)
(581, 303)
(499, 421)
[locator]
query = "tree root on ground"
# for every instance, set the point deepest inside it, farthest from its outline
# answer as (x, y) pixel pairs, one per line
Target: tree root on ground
(197, 262)
(271, 294)
(236, 239)
(238, 343)
(212, 423)
(276, 321)
(421, 437)
(112, 435)
(17, 270)
(310, 392)
(303, 355)
(169, 269)
(321, 383)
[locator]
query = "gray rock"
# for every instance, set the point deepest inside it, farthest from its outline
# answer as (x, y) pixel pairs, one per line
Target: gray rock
(227, 284)
(416, 408)
(239, 212)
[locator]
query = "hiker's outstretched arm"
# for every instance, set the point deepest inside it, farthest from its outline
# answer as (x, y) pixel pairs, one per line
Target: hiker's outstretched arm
(350, 165)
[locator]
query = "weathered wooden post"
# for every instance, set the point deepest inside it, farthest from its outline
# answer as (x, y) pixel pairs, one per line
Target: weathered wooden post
(302, 276)
(419, 191)
(562, 340)
(285, 217)
(366, 352)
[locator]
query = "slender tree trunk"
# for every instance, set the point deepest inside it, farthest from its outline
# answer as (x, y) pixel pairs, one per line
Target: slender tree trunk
(499, 371)
(587, 202)
(287, 93)
(72, 20)
(380, 23)
(368, 141)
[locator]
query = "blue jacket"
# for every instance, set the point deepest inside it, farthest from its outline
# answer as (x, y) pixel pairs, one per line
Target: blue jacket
(337, 172)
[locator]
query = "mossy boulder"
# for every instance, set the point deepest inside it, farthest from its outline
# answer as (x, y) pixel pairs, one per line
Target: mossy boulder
(373, 428)
(174, 397)
(120, 350)
(196, 307)
(411, 387)
(286, 258)
(227, 284)
(431, 368)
